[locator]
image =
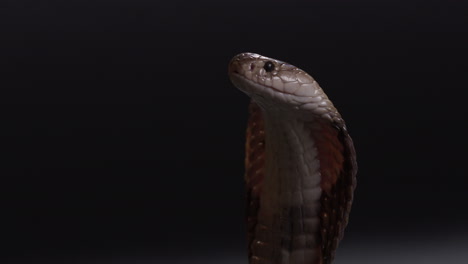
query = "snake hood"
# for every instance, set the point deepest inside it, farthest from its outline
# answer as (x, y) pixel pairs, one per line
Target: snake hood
(275, 84)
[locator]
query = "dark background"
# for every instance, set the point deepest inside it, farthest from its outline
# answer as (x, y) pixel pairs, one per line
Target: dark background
(122, 137)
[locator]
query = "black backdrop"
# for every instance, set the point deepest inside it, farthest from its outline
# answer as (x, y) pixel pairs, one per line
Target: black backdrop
(122, 136)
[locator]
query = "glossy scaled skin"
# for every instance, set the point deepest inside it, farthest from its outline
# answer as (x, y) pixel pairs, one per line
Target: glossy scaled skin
(300, 164)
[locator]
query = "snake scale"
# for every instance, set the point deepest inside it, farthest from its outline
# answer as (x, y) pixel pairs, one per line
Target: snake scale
(300, 164)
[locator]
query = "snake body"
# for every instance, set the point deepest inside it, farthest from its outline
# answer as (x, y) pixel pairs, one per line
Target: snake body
(300, 164)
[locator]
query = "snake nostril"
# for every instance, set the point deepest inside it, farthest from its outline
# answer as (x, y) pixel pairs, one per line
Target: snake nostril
(252, 66)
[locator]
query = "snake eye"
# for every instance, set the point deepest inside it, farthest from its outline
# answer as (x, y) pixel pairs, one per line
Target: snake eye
(269, 66)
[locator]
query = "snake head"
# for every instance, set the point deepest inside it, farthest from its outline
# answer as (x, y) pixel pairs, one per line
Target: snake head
(278, 85)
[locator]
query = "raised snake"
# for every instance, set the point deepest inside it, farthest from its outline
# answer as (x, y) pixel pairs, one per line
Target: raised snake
(300, 164)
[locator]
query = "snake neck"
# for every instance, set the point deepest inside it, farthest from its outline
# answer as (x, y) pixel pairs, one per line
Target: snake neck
(292, 164)
(290, 200)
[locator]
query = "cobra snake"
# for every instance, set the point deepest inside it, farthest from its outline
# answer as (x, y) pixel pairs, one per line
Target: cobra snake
(300, 164)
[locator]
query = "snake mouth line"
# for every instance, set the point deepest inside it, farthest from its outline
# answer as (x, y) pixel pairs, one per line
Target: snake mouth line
(236, 73)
